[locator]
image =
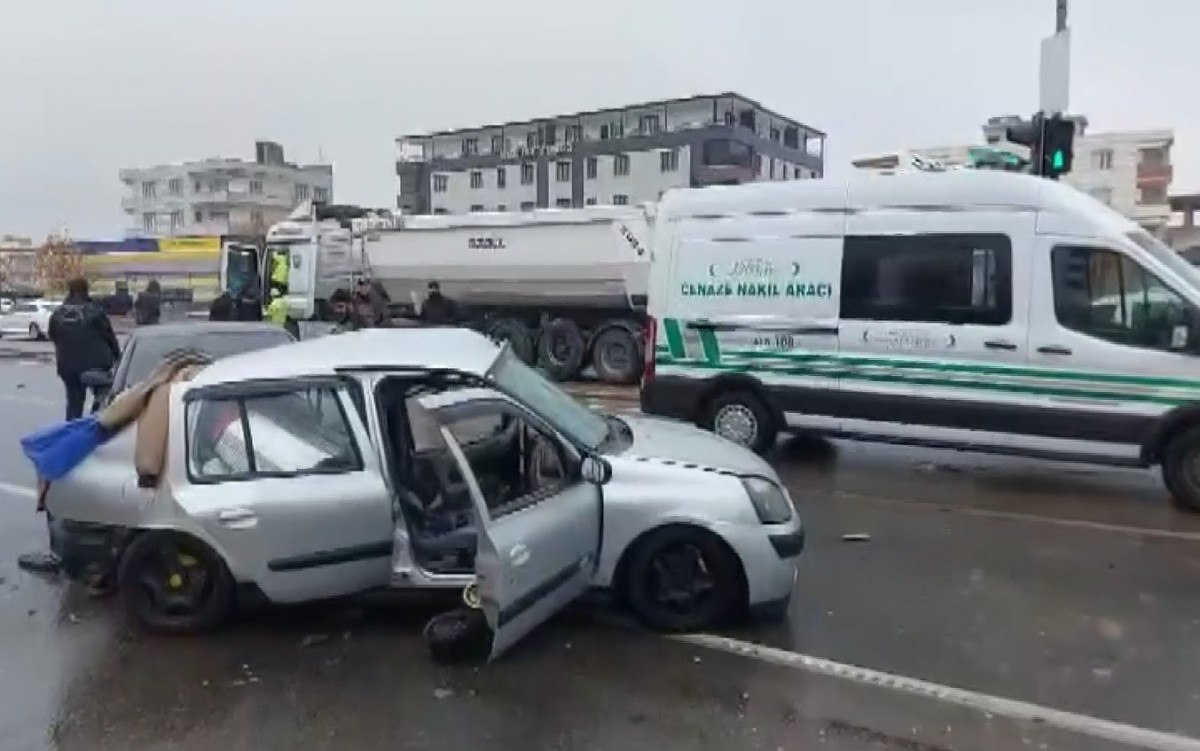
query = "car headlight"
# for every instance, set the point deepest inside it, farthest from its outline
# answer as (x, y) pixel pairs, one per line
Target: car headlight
(770, 502)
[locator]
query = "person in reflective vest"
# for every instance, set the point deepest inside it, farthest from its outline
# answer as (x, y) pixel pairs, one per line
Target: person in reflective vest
(277, 311)
(279, 270)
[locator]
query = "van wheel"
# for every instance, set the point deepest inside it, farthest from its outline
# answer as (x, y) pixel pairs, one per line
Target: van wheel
(518, 336)
(172, 583)
(617, 356)
(742, 417)
(1181, 469)
(561, 349)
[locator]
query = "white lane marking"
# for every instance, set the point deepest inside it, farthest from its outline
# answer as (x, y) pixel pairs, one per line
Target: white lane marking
(39, 400)
(1093, 727)
(1169, 534)
(21, 490)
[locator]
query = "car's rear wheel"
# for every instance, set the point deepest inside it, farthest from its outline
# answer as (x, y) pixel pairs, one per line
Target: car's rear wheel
(172, 583)
(35, 332)
(683, 579)
(742, 417)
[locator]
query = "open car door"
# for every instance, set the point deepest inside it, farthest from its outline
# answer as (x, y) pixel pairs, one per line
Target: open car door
(540, 520)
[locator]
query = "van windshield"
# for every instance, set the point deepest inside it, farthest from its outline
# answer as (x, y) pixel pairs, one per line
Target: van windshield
(1168, 257)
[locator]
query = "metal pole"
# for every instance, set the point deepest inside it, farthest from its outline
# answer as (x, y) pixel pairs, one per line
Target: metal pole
(1060, 16)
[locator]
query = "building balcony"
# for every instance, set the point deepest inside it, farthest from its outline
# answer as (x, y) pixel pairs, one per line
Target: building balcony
(1154, 175)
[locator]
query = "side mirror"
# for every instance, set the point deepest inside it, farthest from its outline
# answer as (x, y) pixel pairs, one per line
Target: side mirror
(595, 470)
(96, 379)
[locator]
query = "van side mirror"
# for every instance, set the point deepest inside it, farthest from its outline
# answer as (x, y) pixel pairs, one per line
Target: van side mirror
(596, 470)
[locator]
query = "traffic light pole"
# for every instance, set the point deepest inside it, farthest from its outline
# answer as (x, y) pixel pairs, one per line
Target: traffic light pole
(1060, 16)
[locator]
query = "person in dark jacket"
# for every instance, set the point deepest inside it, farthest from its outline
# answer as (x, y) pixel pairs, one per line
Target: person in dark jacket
(221, 308)
(83, 340)
(438, 310)
(147, 310)
(248, 304)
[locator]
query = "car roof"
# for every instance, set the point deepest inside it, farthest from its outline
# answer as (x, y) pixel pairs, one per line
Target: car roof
(454, 349)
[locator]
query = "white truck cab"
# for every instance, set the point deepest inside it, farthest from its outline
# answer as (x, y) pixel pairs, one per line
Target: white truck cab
(974, 310)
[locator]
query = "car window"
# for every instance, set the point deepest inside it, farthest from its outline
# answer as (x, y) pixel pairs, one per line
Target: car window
(24, 307)
(146, 353)
(296, 432)
(1106, 294)
(935, 278)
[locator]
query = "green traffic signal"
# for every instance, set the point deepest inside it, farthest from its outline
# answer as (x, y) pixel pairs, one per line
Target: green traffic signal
(1058, 160)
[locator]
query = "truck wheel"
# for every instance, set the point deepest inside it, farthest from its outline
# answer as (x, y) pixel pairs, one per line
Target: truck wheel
(1181, 469)
(518, 336)
(742, 417)
(561, 349)
(617, 355)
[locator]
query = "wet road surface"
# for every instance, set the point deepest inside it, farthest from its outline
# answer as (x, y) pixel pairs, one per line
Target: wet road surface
(1069, 587)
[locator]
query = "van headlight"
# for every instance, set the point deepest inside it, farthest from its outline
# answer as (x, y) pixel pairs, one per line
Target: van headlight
(770, 502)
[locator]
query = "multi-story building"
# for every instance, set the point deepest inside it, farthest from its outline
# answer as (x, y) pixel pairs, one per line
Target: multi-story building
(221, 196)
(623, 155)
(1130, 171)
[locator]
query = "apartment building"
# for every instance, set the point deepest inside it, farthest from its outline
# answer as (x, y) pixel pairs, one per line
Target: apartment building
(616, 156)
(1130, 170)
(220, 196)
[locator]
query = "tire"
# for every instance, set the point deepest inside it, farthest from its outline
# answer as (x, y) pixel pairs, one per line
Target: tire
(167, 554)
(617, 355)
(1181, 469)
(561, 349)
(663, 607)
(35, 332)
(518, 336)
(459, 636)
(742, 417)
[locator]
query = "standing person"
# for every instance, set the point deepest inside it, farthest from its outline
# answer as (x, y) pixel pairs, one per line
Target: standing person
(221, 308)
(277, 310)
(438, 310)
(83, 340)
(248, 305)
(147, 310)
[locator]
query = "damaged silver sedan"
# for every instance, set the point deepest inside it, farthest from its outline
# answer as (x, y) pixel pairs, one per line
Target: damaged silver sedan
(424, 458)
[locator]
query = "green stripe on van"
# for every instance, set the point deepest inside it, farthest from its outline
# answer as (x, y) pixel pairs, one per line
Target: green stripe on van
(712, 348)
(674, 334)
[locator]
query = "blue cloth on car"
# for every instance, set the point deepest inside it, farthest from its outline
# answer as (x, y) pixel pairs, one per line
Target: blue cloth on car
(58, 449)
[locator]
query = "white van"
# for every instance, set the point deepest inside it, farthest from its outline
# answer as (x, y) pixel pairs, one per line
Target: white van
(975, 310)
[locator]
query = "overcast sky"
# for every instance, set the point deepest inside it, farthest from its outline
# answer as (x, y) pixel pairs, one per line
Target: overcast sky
(90, 86)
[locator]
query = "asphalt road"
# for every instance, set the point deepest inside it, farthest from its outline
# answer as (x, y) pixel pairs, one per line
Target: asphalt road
(993, 581)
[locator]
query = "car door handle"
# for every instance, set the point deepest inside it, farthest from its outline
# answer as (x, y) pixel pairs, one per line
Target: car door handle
(238, 518)
(1000, 344)
(1054, 349)
(518, 555)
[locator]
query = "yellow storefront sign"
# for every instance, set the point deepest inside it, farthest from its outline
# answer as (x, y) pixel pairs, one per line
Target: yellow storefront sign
(190, 245)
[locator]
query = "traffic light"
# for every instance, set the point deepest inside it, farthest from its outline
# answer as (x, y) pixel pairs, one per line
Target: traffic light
(1058, 143)
(1051, 143)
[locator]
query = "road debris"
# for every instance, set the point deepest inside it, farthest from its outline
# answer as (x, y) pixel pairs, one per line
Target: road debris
(856, 537)
(313, 640)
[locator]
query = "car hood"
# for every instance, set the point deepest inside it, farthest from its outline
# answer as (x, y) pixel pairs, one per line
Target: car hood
(678, 442)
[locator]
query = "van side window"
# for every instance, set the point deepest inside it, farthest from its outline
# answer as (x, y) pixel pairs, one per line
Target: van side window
(1106, 294)
(937, 278)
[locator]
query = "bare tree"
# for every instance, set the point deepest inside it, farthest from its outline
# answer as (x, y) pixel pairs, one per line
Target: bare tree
(58, 262)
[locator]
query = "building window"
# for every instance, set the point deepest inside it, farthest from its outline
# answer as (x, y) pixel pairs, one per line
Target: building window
(498, 144)
(621, 165)
(563, 203)
(723, 152)
(501, 177)
(176, 220)
(301, 193)
(590, 201)
(648, 124)
(256, 217)
(797, 174)
(256, 187)
(775, 134)
(590, 166)
(526, 205)
(199, 217)
(476, 179)
(321, 195)
(148, 222)
(149, 190)
(1102, 159)
(441, 183)
(668, 161)
(1153, 157)
(604, 132)
(936, 278)
(527, 174)
(1152, 195)
(196, 186)
(439, 210)
(530, 140)
(772, 171)
(175, 186)
(476, 207)
(470, 146)
(1106, 295)
(620, 199)
(502, 207)
(562, 172)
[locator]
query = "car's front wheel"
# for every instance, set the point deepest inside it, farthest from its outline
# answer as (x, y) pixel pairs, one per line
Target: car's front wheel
(172, 583)
(683, 579)
(35, 332)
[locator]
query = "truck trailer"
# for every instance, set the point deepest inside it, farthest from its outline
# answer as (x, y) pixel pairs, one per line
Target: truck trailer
(565, 287)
